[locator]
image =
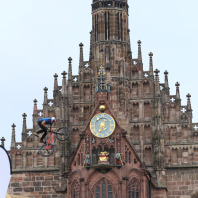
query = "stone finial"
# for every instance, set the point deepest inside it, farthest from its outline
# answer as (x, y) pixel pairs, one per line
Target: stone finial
(45, 89)
(2, 141)
(35, 101)
(64, 74)
(13, 126)
(70, 59)
(24, 115)
(177, 84)
(81, 45)
(157, 72)
(188, 96)
(166, 73)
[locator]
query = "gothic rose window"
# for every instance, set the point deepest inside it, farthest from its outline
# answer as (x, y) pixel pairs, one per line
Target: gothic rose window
(104, 190)
(134, 189)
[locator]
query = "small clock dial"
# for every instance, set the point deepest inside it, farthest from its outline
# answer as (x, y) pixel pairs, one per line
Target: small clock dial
(102, 125)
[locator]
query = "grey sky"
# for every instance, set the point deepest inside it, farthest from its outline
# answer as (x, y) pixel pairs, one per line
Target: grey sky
(38, 36)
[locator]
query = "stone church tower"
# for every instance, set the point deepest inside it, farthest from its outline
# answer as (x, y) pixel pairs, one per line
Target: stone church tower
(151, 152)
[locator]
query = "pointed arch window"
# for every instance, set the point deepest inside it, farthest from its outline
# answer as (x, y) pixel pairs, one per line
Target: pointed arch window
(98, 192)
(104, 190)
(110, 192)
(134, 189)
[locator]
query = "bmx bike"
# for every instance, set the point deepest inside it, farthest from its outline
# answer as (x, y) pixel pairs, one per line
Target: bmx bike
(47, 148)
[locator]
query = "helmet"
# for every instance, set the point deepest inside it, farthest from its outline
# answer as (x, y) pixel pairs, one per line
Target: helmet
(53, 119)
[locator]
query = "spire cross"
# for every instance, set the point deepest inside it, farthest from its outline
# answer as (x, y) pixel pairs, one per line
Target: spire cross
(13, 126)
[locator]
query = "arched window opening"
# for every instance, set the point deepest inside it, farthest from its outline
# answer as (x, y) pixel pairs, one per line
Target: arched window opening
(104, 189)
(110, 192)
(134, 189)
(129, 157)
(98, 192)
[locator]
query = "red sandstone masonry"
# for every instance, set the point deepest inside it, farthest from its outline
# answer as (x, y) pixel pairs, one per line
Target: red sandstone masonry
(35, 185)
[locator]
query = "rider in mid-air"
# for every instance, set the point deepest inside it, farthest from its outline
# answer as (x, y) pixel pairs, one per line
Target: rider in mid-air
(42, 123)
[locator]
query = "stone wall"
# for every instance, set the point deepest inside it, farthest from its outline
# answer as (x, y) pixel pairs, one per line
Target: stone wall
(182, 183)
(35, 185)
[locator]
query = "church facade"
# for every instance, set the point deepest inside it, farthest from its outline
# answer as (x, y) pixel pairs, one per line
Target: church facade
(129, 137)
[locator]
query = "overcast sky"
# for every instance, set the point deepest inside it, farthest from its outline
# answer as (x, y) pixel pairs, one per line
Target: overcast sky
(38, 36)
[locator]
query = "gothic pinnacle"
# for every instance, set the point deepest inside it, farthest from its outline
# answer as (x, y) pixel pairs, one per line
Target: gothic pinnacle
(151, 63)
(188, 101)
(64, 89)
(166, 79)
(55, 82)
(177, 90)
(70, 69)
(157, 85)
(139, 52)
(13, 141)
(35, 107)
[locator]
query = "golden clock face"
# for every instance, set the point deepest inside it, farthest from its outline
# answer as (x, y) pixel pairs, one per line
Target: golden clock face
(102, 125)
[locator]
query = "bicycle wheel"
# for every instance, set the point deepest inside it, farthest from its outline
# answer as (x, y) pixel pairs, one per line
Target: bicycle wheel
(63, 133)
(46, 150)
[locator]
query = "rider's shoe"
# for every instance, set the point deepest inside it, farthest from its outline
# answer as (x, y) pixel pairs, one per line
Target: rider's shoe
(41, 141)
(35, 134)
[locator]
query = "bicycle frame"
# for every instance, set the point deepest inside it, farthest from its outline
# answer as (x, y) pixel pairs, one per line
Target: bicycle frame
(50, 141)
